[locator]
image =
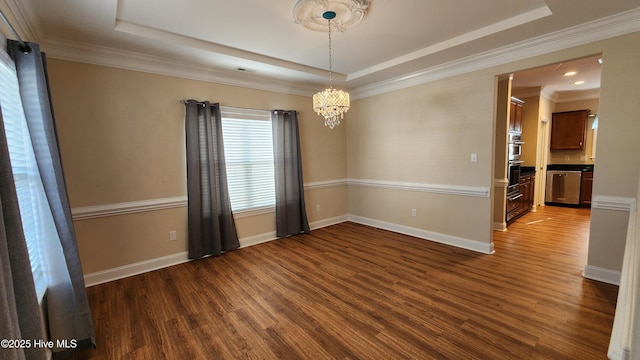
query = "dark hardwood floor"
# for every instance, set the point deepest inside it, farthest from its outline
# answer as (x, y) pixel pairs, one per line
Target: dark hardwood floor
(354, 292)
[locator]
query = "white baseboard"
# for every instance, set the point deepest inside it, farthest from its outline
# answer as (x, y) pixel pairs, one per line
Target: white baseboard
(602, 275)
(328, 222)
(91, 279)
(121, 272)
(134, 269)
(266, 237)
(427, 235)
(257, 239)
(500, 226)
(590, 272)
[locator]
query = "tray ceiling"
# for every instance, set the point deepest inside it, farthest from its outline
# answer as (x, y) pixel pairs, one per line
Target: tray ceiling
(261, 37)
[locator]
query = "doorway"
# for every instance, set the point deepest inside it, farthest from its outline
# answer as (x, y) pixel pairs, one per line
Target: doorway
(565, 86)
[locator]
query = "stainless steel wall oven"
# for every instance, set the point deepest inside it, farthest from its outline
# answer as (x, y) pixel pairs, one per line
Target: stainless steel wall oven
(514, 176)
(515, 146)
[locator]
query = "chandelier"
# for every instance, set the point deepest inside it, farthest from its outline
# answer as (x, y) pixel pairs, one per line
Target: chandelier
(331, 103)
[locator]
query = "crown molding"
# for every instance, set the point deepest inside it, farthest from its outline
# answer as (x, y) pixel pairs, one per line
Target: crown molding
(529, 92)
(563, 97)
(552, 95)
(24, 20)
(601, 29)
(29, 27)
(129, 60)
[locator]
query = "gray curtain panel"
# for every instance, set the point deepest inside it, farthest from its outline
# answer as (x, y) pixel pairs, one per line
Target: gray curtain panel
(68, 312)
(19, 311)
(291, 215)
(212, 229)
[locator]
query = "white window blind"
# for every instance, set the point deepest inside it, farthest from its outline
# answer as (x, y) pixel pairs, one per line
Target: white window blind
(25, 171)
(248, 148)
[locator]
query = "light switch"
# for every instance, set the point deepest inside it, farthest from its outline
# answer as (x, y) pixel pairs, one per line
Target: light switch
(474, 157)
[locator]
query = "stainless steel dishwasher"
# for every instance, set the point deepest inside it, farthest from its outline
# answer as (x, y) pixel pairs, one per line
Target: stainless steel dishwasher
(563, 187)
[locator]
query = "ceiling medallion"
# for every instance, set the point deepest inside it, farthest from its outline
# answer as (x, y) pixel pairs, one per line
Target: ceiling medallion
(348, 13)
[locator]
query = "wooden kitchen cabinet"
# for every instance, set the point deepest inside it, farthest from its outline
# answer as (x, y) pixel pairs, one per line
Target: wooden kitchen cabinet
(515, 115)
(568, 130)
(525, 201)
(586, 186)
(527, 182)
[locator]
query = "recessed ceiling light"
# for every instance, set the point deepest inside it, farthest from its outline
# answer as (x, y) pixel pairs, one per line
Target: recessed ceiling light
(570, 73)
(579, 82)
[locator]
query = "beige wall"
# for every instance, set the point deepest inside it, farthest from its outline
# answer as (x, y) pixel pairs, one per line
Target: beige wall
(619, 112)
(122, 140)
(131, 148)
(618, 163)
(530, 121)
(425, 134)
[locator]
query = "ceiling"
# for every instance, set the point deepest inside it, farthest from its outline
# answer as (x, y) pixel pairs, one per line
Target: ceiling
(561, 80)
(396, 40)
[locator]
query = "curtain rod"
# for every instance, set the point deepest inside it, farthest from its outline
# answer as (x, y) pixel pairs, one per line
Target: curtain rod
(231, 107)
(197, 102)
(24, 47)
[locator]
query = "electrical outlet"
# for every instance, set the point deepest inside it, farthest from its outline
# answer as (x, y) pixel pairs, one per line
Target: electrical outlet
(413, 212)
(317, 207)
(172, 235)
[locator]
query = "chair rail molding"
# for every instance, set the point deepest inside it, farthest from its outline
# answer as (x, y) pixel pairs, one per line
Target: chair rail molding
(473, 191)
(617, 203)
(131, 207)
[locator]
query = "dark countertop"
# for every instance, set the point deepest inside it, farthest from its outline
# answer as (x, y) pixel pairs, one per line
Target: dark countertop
(571, 167)
(524, 170)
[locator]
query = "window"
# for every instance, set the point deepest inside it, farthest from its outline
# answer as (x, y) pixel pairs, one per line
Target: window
(248, 149)
(34, 211)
